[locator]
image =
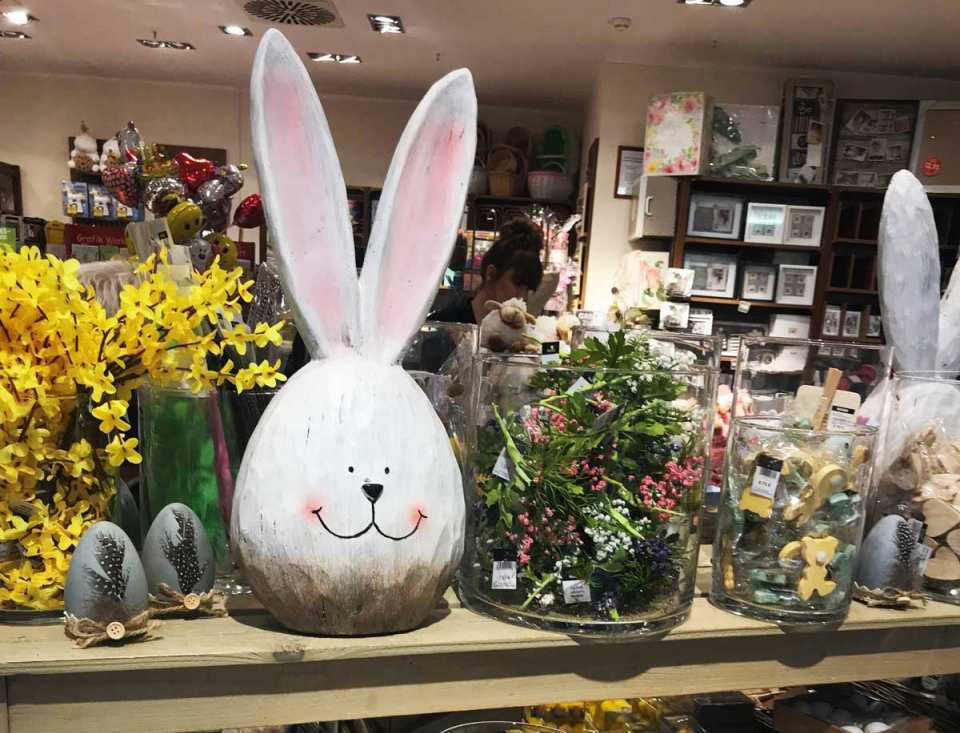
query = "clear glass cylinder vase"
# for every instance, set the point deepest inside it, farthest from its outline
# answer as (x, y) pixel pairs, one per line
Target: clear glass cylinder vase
(918, 478)
(584, 486)
(796, 481)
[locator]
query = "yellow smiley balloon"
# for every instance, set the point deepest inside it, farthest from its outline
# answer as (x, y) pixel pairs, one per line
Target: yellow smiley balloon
(227, 249)
(185, 220)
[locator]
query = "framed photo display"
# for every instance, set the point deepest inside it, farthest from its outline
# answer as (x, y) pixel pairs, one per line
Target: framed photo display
(808, 106)
(715, 216)
(795, 284)
(804, 225)
(851, 324)
(765, 223)
(874, 139)
(714, 275)
(831, 320)
(678, 282)
(674, 316)
(629, 169)
(758, 282)
(874, 326)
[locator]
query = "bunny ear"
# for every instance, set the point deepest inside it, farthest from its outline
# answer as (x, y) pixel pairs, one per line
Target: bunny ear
(305, 198)
(417, 219)
(948, 355)
(909, 261)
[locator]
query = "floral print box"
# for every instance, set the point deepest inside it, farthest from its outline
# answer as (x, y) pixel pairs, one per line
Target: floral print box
(677, 141)
(587, 478)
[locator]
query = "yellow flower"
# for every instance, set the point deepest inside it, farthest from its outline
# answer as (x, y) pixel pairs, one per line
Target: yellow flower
(120, 451)
(111, 414)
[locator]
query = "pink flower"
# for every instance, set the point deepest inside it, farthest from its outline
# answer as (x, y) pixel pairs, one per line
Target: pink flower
(523, 558)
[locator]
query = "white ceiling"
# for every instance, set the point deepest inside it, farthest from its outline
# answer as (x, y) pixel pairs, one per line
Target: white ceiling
(524, 52)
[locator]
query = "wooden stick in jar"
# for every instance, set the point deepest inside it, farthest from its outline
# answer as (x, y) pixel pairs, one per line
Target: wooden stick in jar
(826, 399)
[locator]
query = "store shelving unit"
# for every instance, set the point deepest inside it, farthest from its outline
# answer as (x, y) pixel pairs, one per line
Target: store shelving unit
(245, 670)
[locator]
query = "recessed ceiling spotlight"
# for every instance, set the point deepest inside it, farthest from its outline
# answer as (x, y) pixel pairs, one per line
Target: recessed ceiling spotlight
(386, 23)
(236, 30)
(733, 3)
(14, 34)
(339, 58)
(18, 16)
(620, 23)
(717, 3)
(174, 45)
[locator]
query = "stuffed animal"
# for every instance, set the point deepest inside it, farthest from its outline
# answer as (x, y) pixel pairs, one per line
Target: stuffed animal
(84, 156)
(348, 516)
(110, 154)
(507, 327)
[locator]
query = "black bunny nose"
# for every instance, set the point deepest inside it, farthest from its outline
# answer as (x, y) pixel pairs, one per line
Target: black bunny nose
(372, 492)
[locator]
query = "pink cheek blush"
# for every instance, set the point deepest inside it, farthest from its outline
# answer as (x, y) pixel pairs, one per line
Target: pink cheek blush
(310, 506)
(417, 514)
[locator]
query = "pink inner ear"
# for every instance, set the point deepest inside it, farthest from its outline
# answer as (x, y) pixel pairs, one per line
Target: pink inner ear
(424, 217)
(306, 205)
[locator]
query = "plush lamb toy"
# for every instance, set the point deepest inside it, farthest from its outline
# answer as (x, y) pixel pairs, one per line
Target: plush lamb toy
(507, 327)
(348, 516)
(110, 154)
(84, 156)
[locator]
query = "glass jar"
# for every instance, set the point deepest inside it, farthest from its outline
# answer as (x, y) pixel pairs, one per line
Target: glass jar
(796, 481)
(55, 484)
(918, 478)
(192, 447)
(587, 478)
(688, 349)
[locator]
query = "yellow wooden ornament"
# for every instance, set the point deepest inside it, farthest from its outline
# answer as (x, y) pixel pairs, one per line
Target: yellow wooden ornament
(817, 553)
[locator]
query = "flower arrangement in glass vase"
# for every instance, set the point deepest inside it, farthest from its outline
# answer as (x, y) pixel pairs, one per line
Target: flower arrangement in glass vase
(67, 374)
(589, 478)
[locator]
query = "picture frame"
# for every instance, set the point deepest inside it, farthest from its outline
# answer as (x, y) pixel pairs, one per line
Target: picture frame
(629, 169)
(804, 225)
(789, 325)
(700, 321)
(874, 326)
(874, 138)
(678, 282)
(758, 282)
(832, 316)
(808, 107)
(674, 316)
(765, 223)
(730, 333)
(796, 284)
(851, 324)
(715, 275)
(715, 216)
(11, 192)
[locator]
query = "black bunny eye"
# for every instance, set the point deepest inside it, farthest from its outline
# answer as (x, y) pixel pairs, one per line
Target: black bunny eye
(350, 469)
(387, 469)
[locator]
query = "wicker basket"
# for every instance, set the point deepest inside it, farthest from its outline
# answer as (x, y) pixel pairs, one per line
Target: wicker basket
(550, 185)
(505, 184)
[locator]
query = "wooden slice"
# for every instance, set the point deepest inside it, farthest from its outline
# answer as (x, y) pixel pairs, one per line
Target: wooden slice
(932, 490)
(953, 539)
(944, 565)
(947, 480)
(940, 516)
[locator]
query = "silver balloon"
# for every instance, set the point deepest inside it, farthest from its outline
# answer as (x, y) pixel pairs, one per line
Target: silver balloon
(212, 191)
(217, 213)
(201, 253)
(130, 141)
(232, 177)
(162, 194)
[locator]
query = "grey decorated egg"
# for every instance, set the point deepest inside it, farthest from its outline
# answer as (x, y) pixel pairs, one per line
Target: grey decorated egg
(177, 551)
(125, 512)
(105, 581)
(889, 555)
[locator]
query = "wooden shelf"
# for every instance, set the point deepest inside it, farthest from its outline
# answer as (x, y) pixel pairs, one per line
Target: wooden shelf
(750, 245)
(753, 303)
(856, 242)
(747, 182)
(245, 670)
(866, 340)
(853, 291)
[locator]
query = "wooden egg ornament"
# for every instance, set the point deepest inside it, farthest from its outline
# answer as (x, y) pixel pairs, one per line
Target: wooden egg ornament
(179, 564)
(348, 514)
(105, 596)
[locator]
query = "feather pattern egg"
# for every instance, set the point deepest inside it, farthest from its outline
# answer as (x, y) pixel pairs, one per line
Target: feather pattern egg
(177, 552)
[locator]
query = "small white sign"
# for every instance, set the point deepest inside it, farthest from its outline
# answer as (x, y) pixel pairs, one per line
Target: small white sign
(766, 477)
(503, 468)
(576, 591)
(841, 418)
(504, 575)
(578, 386)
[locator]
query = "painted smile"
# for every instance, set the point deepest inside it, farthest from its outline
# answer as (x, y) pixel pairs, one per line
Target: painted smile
(373, 525)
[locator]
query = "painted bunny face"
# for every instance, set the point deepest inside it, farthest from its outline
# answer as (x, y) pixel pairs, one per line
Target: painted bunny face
(349, 509)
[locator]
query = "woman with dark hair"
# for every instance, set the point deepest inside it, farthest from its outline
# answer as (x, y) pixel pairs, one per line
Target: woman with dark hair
(510, 269)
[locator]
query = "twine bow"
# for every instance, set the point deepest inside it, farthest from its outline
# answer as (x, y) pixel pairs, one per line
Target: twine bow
(86, 632)
(888, 597)
(169, 601)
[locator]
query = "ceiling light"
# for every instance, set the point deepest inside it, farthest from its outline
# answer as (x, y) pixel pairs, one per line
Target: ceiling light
(236, 30)
(14, 34)
(733, 3)
(620, 23)
(386, 23)
(717, 3)
(18, 16)
(174, 45)
(340, 58)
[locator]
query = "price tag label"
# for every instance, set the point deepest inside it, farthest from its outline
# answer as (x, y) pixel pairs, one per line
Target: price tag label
(924, 554)
(578, 386)
(504, 576)
(549, 352)
(743, 306)
(503, 468)
(575, 591)
(841, 418)
(766, 476)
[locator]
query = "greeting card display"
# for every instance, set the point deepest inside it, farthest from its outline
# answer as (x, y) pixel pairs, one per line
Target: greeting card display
(874, 141)
(807, 124)
(341, 527)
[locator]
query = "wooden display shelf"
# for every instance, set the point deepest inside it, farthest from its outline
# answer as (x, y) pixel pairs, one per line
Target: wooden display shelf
(856, 242)
(245, 670)
(708, 300)
(853, 291)
(751, 245)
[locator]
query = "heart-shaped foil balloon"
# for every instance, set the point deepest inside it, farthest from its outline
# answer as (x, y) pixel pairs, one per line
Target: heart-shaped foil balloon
(232, 177)
(194, 172)
(162, 194)
(249, 213)
(121, 181)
